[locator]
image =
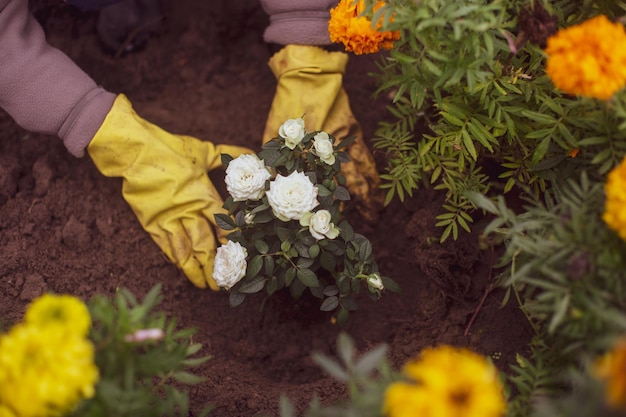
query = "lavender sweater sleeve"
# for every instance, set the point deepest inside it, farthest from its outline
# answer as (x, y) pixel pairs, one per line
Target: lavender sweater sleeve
(41, 88)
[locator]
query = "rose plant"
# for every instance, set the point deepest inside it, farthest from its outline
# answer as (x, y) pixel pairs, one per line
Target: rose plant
(286, 227)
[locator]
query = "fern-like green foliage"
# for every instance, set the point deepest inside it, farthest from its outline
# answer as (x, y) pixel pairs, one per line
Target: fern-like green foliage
(473, 109)
(568, 272)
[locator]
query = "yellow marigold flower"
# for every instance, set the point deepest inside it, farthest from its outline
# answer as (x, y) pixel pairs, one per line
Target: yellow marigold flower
(588, 59)
(447, 382)
(64, 310)
(44, 372)
(611, 368)
(355, 32)
(6, 412)
(615, 190)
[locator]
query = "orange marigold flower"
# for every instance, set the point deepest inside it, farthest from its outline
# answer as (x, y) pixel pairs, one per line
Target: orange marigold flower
(611, 368)
(355, 32)
(588, 59)
(615, 190)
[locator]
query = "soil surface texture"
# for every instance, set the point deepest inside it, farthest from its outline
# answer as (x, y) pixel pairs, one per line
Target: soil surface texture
(65, 228)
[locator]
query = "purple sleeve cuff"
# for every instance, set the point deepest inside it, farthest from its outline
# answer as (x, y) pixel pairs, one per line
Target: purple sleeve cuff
(41, 88)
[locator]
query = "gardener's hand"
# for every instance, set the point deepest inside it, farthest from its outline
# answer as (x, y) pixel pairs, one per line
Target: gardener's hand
(166, 184)
(310, 86)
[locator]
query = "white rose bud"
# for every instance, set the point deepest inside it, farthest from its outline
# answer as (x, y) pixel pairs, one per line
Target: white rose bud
(249, 218)
(245, 178)
(375, 281)
(324, 148)
(320, 225)
(230, 264)
(292, 196)
(293, 132)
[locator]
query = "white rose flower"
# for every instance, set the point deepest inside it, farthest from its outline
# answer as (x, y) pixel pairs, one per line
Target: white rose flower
(375, 281)
(230, 264)
(245, 177)
(324, 148)
(292, 196)
(320, 225)
(293, 132)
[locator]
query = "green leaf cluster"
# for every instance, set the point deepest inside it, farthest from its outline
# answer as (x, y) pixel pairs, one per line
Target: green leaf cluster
(284, 254)
(473, 109)
(566, 269)
(139, 378)
(366, 376)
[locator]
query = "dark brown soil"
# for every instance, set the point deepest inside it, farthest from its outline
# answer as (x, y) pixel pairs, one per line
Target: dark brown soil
(66, 228)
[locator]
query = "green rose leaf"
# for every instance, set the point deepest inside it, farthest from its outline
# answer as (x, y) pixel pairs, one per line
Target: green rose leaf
(290, 275)
(323, 191)
(331, 290)
(235, 298)
(314, 251)
(269, 265)
(330, 303)
(254, 266)
(272, 285)
(346, 231)
(307, 278)
(365, 251)
(328, 261)
(261, 246)
(269, 156)
(253, 286)
(304, 262)
(345, 142)
(224, 221)
(226, 158)
(264, 217)
(342, 193)
(284, 234)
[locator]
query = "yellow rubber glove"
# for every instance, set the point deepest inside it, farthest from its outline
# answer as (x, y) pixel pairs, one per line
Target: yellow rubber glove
(310, 84)
(166, 184)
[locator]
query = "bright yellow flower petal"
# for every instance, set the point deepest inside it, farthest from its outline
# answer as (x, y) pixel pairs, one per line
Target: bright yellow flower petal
(448, 382)
(588, 59)
(64, 310)
(611, 368)
(6, 412)
(355, 32)
(44, 372)
(615, 190)
(404, 399)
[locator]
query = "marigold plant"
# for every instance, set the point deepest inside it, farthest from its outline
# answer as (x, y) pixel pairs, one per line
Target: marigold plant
(588, 59)
(349, 25)
(445, 381)
(442, 381)
(47, 363)
(108, 358)
(493, 105)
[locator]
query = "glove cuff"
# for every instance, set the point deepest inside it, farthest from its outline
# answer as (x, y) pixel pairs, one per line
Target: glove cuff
(299, 27)
(306, 58)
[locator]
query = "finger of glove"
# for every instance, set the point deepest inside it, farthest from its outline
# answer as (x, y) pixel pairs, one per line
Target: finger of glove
(308, 82)
(190, 243)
